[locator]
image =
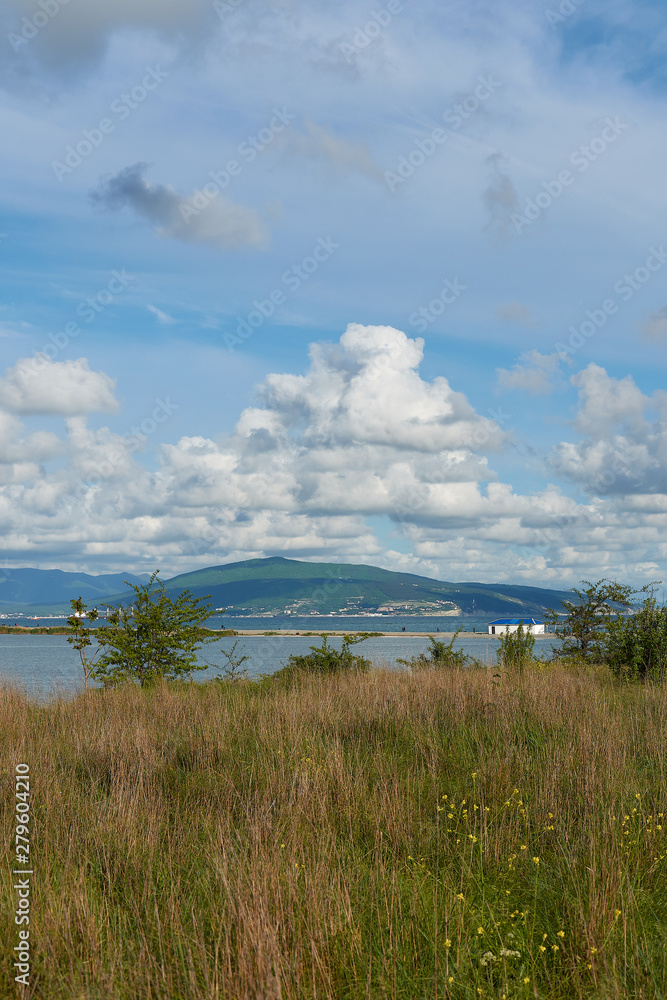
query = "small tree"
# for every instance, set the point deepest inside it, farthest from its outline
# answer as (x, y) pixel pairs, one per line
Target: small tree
(154, 639)
(325, 660)
(516, 648)
(583, 630)
(231, 672)
(83, 637)
(637, 645)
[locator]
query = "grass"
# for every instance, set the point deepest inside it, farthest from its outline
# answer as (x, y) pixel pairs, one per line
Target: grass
(437, 834)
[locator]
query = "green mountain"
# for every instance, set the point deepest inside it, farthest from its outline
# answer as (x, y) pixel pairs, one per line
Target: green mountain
(279, 585)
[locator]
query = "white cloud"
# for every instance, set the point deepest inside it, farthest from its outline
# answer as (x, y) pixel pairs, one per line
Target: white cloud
(41, 386)
(162, 317)
(533, 372)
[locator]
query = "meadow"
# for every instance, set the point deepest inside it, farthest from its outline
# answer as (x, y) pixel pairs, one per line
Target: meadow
(443, 833)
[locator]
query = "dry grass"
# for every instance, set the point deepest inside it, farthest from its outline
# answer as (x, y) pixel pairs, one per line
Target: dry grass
(360, 836)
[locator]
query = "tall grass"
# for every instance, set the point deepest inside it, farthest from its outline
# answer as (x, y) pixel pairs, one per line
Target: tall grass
(429, 835)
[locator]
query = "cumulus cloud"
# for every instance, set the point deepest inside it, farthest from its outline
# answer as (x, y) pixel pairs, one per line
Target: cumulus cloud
(64, 388)
(219, 222)
(623, 451)
(533, 372)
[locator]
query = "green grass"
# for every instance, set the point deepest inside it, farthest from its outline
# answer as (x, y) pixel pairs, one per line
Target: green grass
(366, 835)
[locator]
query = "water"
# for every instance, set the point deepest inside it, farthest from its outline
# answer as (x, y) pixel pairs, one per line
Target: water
(46, 664)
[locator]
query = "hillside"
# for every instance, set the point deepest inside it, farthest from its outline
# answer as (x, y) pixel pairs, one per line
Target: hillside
(41, 588)
(278, 585)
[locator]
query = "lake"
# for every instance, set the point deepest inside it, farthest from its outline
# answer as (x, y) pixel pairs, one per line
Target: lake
(45, 664)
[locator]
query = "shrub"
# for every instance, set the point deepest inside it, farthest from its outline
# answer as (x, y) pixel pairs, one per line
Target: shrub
(637, 645)
(516, 648)
(441, 654)
(325, 660)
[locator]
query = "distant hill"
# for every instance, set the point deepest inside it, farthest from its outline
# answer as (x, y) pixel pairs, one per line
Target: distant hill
(41, 588)
(278, 585)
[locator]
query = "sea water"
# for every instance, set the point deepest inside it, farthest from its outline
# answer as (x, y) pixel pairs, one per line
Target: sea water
(47, 664)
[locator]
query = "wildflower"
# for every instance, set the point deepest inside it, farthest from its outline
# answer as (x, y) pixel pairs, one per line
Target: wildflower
(474, 774)
(487, 958)
(544, 937)
(508, 953)
(542, 948)
(281, 846)
(448, 943)
(560, 934)
(536, 861)
(526, 980)
(555, 947)
(480, 930)
(594, 951)
(439, 808)
(460, 896)
(617, 914)
(524, 847)
(450, 815)
(451, 979)
(637, 795)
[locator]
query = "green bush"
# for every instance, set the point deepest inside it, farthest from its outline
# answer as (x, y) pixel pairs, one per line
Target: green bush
(441, 654)
(637, 645)
(516, 649)
(325, 660)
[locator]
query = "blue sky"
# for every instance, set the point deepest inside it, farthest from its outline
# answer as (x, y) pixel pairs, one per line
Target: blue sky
(380, 284)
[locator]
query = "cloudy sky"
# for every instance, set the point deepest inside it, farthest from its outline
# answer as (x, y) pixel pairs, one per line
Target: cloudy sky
(363, 283)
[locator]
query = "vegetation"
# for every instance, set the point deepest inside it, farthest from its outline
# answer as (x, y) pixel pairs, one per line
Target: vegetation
(584, 630)
(325, 659)
(516, 649)
(82, 637)
(637, 646)
(359, 835)
(441, 654)
(154, 639)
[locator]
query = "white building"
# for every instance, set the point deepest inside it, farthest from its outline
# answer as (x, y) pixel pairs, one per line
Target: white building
(503, 625)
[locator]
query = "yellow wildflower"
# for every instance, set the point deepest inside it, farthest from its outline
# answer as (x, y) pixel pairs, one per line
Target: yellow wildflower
(448, 943)
(560, 934)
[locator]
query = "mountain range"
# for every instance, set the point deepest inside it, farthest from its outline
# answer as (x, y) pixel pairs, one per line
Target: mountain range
(279, 585)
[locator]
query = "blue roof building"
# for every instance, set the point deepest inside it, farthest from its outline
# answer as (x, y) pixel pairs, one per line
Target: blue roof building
(502, 625)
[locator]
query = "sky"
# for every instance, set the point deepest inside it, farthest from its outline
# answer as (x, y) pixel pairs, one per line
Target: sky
(338, 282)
